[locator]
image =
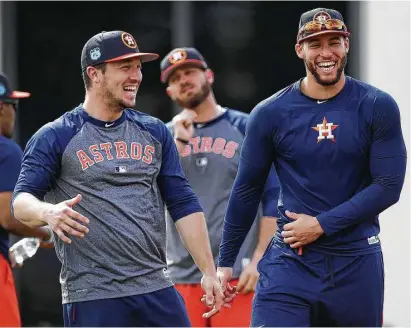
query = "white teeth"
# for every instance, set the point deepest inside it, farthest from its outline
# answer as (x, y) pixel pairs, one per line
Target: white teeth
(326, 64)
(130, 89)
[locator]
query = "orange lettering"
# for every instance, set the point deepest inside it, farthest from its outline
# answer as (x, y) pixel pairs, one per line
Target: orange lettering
(148, 154)
(85, 161)
(121, 149)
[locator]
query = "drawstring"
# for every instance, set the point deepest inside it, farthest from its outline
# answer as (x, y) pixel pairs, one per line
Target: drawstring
(330, 269)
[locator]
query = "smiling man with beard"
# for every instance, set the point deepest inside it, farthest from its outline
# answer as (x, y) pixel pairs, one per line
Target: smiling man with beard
(103, 173)
(209, 139)
(339, 153)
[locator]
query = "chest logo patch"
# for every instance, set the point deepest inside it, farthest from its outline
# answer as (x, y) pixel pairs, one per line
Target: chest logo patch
(325, 130)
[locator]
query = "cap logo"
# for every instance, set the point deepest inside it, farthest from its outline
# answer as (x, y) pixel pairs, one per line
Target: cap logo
(2, 89)
(95, 53)
(321, 17)
(128, 40)
(178, 56)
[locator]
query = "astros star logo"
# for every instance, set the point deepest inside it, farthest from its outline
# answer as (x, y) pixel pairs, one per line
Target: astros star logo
(321, 17)
(325, 130)
(178, 56)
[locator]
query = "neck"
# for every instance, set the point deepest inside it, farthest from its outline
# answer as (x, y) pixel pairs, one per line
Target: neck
(311, 88)
(95, 106)
(207, 110)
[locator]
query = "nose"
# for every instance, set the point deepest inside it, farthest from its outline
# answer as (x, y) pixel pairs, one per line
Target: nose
(136, 74)
(326, 51)
(184, 80)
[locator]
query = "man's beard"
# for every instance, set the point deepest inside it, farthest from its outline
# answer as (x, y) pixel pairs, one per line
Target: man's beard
(114, 104)
(196, 99)
(317, 76)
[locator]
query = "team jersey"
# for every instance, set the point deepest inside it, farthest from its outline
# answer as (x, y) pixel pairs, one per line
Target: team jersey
(126, 170)
(342, 160)
(210, 163)
(10, 162)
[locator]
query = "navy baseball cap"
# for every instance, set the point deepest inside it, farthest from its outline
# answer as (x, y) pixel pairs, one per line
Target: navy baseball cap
(7, 93)
(320, 21)
(178, 57)
(111, 46)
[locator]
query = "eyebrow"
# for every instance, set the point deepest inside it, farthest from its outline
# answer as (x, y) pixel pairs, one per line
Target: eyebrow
(334, 38)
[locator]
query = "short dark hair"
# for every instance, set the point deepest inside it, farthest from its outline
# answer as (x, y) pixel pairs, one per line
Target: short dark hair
(87, 81)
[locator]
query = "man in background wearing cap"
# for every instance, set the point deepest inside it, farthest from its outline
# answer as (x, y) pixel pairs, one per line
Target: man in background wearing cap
(10, 162)
(339, 152)
(209, 138)
(106, 171)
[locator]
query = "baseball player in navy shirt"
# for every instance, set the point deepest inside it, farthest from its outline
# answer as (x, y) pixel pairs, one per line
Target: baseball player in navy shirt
(339, 152)
(209, 139)
(102, 174)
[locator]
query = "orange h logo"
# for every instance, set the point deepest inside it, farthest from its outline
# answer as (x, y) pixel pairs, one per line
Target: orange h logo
(325, 130)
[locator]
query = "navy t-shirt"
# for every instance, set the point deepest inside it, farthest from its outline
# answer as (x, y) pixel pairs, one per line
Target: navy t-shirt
(10, 163)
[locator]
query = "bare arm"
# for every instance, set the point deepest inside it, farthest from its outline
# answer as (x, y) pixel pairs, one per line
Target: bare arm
(183, 129)
(29, 210)
(193, 231)
(61, 218)
(15, 227)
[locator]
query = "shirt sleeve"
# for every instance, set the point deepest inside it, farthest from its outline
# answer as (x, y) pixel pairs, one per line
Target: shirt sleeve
(10, 164)
(176, 192)
(271, 194)
(41, 164)
(387, 163)
(254, 167)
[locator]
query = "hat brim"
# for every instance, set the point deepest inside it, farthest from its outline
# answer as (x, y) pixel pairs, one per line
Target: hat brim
(144, 56)
(194, 62)
(346, 33)
(19, 95)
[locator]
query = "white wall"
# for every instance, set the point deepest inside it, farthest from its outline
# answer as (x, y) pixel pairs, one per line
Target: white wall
(384, 61)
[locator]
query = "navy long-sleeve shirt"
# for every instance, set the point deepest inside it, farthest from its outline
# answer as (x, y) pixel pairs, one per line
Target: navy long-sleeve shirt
(342, 160)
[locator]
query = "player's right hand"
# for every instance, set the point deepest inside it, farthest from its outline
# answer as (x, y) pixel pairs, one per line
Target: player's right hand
(62, 219)
(183, 124)
(213, 297)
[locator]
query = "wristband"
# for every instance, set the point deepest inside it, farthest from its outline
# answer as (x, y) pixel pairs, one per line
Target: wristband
(182, 141)
(51, 238)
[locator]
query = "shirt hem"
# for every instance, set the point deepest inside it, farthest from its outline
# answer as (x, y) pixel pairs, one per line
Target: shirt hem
(101, 296)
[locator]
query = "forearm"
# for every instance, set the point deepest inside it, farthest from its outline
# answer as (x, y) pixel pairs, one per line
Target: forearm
(241, 211)
(180, 146)
(268, 226)
(384, 191)
(19, 229)
(193, 232)
(29, 210)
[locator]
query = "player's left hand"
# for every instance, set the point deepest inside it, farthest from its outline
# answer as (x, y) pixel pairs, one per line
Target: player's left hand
(304, 230)
(248, 279)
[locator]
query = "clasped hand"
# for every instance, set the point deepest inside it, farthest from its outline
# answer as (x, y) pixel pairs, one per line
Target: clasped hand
(304, 230)
(226, 292)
